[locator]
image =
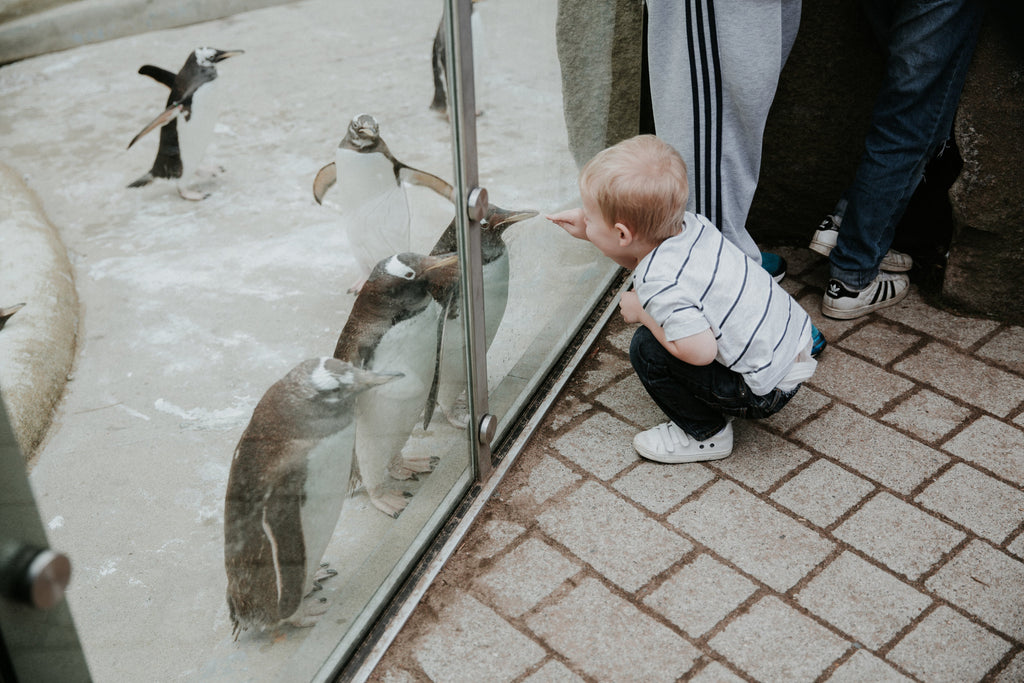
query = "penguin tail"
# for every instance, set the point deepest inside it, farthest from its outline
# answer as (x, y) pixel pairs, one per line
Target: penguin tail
(143, 181)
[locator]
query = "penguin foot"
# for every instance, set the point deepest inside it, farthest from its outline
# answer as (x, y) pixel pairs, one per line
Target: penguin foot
(408, 467)
(310, 612)
(456, 419)
(322, 574)
(192, 195)
(390, 502)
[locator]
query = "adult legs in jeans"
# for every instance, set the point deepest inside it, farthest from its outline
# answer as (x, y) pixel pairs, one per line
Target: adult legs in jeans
(697, 398)
(929, 46)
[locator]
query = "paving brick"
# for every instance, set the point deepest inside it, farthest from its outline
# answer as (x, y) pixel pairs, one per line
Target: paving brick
(621, 338)
(659, 487)
(1014, 672)
(900, 536)
(864, 666)
(927, 415)
(553, 671)
(832, 329)
(805, 403)
(773, 642)
(567, 408)
(600, 633)
(822, 492)
(715, 672)
(1007, 347)
(601, 370)
(759, 458)
(965, 377)
(496, 534)
(471, 643)
(871, 448)
(1016, 547)
(955, 329)
(612, 536)
(880, 341)
(863, 601)
(866, 386)
(525, 576)
(987, 583)
(544, 480)
(630, 400)
(602, 445)
(753, 535)
(1019, 420)
(948, 648)
(992, 445)
(986, 506)
(700, 595)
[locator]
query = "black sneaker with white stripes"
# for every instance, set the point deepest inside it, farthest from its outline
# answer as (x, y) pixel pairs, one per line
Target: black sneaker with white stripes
(843, 303)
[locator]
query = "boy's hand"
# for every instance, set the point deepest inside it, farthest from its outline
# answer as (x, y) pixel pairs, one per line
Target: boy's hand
(571, 221)
(629, 306)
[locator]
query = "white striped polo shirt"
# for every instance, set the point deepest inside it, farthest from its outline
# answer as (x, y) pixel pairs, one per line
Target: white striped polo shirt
(699, 280)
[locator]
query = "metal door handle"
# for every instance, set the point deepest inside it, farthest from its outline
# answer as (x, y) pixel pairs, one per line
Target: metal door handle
(32, 575)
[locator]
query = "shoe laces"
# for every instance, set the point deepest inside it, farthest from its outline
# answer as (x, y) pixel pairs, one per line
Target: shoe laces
(672, 437)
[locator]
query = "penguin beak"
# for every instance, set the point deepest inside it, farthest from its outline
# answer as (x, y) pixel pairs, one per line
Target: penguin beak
(365, 379)
(442, 272)
(500, 219)
(221, 55)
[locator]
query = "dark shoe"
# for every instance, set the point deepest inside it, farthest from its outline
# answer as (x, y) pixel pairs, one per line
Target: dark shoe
(774, 264)
(818, 342)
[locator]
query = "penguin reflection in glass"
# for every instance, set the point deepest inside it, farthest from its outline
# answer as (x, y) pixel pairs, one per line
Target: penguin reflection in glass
(372, 196)
(188, 120)
(494, 253)
(395, 325)
(288, 482)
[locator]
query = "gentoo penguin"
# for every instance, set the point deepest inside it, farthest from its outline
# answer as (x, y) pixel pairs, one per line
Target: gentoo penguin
(372, 197)
(6, 313)
(394, 326)
(452, 364)
(289, 477)
(188, 121)
(439, 63)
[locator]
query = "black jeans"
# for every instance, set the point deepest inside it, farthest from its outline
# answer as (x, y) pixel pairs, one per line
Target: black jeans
(697, 398)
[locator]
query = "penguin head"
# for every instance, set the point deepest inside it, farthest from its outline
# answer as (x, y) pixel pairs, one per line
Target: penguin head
(497, 220)
(329, 385)
(405, 279)
(208, 56)
(363, 134)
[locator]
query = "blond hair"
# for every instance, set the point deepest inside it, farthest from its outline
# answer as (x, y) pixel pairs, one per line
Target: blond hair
(641, 183)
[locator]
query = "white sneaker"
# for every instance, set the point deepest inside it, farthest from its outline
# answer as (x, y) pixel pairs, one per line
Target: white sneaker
(885, 290)
(827, 234)
(668, 443)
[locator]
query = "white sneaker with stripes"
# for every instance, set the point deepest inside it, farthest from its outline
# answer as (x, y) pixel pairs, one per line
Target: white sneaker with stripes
(844, 303)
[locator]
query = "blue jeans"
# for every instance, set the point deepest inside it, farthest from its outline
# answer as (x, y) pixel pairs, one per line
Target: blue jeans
(697, 398)
(929, 44)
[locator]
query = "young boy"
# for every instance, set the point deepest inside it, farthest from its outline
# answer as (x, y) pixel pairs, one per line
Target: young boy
(719, 338)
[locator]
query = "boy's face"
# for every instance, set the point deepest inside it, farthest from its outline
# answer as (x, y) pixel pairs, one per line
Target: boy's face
(605, 237)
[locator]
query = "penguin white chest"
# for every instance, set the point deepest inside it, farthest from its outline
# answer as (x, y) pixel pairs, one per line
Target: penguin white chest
(375, 207)
(194, 134)
(328, 467)
(362, 177)
(495, 277)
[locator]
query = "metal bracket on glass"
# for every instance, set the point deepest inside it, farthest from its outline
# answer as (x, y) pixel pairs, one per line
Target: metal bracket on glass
(33, 576)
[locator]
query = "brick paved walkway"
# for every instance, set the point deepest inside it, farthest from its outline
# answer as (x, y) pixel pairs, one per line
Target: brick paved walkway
(871, 531)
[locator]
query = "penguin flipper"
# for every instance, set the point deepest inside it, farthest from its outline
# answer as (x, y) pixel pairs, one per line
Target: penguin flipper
(157, 74)
(282, 525)
(325, 179)
(428, 409)
(415, 176)
(167, 115)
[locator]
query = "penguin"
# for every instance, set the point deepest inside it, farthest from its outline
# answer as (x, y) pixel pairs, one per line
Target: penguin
(286, 487)
(451, 364)
(7, 312)
(188, 121)
(439, 63)
(394, 326)
(372, 195)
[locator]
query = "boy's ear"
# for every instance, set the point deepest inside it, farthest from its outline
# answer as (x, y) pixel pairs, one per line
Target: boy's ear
(626, 236)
